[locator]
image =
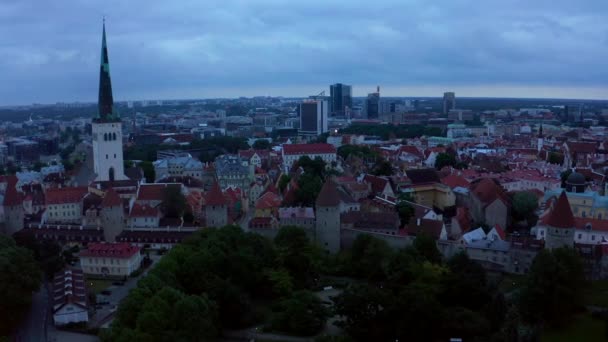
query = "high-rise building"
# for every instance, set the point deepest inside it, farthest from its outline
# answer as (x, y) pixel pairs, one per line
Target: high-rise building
(106, 126)
(449, 102)
(341, 98)
(372, 105)
(313, 117)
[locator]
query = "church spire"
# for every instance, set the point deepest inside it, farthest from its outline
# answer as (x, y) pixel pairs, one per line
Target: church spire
(106, 101)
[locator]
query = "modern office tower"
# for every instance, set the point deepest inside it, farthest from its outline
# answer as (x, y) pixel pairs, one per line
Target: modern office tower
(449, 102)
(341, 98)
(372, 105)
(313, 117)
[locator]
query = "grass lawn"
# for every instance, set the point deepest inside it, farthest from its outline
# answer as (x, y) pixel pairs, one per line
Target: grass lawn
(98, 285)
(597, 293)
(583, 328)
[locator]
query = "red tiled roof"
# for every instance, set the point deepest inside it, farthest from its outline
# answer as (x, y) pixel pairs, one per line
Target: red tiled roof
(65, 195)
(454, 181)
(581, 147)
(596, 224)
(378, 183)
(308, 148)
(12, 197)
(487, 190)
(269, 200)
(154, 192)
(328, 196)
(215, 196)
(500, 231)
(560, 215)
(143, 210)
(114, 250)
(111, 199)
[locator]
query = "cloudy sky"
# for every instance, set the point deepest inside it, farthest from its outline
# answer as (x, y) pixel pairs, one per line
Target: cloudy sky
(49, 50)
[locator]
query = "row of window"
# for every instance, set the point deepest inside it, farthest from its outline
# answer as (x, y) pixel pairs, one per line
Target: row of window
(109, 136)
(108, 156)
(69, 213)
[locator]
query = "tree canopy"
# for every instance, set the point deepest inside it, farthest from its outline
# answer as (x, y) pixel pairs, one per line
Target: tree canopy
(20, 275)
(210, 281)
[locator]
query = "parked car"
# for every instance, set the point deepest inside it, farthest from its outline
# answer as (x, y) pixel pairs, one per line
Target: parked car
(106, 292)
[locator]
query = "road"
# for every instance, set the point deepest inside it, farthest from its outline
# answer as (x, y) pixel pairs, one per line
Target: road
(33, 328)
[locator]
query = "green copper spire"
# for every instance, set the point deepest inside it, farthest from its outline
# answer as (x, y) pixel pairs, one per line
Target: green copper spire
(106, 101)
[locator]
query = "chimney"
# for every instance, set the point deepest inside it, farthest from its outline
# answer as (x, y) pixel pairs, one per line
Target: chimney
(378, 89)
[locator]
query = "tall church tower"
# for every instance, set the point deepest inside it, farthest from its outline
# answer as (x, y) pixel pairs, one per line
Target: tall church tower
(107, 127)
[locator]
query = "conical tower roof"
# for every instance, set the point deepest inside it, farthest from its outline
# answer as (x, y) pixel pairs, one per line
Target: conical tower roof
(328, 196)
(106, 111)
(560, 215)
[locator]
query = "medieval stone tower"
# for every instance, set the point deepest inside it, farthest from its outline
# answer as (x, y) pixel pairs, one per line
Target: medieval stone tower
(13, 209)
(327, 228)
(112, 215)
(107, 127)
(216, 207)
(560, 226)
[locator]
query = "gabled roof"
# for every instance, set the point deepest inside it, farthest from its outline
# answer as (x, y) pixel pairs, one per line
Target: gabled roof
(487, 190)
(269, 200)
(12, 197)
(65, 195)
(454, 181)
(111, 199)
(328, 196)
(308, 148)
(215, 196)
(143, 210)
(560, 215)
(114, 250)
(378, 183)
(154, 192)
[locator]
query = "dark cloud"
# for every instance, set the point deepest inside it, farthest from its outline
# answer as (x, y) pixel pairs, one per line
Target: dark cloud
(49, 50)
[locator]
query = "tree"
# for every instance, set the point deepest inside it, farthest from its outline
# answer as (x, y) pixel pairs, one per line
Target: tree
(465, 284)
(425, 245)
(405, 211)
(524, 204)
(283, 181)
(19, 277)
(552, 291)
(556, 158)
(444, 159)
(174, 203)
(261, 144)
(363, 313)
(383, 168)
(308, 190)
(149, 172)
(301, 314)
(369, 257)
(297, 255)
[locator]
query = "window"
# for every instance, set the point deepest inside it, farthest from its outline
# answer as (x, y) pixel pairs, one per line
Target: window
(593, 237)
(580, 236)
(114, 155)
(107, 157)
